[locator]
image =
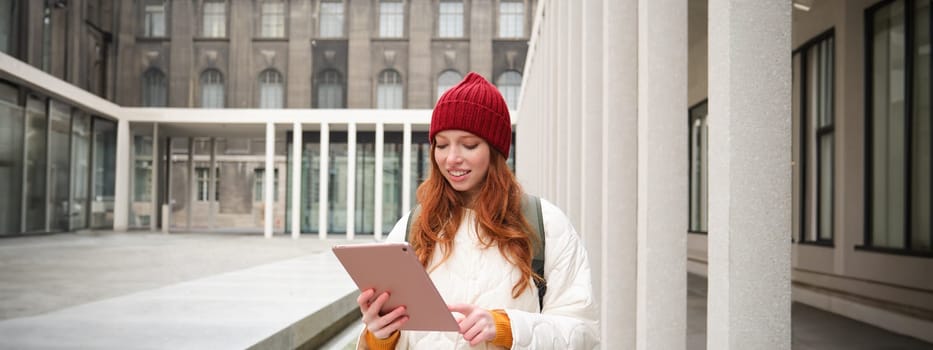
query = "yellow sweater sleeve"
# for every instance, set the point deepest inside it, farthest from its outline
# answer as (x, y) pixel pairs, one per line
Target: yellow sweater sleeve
(503, 329)
(384, 344)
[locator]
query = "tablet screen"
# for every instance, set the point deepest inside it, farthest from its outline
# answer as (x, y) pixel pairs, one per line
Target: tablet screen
(394, 267)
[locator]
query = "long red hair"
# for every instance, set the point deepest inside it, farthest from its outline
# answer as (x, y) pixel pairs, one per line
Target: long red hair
(499, 217)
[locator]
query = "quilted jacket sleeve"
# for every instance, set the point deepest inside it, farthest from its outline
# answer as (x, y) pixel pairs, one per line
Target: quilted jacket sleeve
(569, 319)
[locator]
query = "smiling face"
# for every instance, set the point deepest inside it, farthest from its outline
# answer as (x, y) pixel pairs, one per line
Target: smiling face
(463, 158)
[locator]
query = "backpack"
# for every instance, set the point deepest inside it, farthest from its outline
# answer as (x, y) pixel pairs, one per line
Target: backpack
(531, 210)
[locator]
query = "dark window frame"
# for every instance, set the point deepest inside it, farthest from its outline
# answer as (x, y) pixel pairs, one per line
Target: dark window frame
(909, 46)
(820, 132)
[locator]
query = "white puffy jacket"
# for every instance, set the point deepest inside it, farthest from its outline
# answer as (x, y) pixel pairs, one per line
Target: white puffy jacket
(473, 275)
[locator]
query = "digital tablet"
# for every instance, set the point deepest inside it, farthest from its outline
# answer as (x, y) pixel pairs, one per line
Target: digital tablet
(395, 268)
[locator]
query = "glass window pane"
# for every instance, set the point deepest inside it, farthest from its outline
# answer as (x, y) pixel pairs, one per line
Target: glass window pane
(273, 20)
(11, 164)
(888, 126)
(450, 19)
(59, 165)
(331, 20)
(510, 85)
(154, 20)
(155, 89)
(104, 177)
(212, 89)
(391, 19)
(826, 187)
(446, 80)
(80, 169)
(922, 176)
(511, 19)
(215, 20)
(34, 181)
(389, 90)
(330, 90)
(271, 90)
(6, 26)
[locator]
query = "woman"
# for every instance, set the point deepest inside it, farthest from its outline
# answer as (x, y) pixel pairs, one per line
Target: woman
(475, 243)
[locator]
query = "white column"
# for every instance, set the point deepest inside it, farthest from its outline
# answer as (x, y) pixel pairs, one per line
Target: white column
(121, 195)
(211, 186)
(590, 171)
(619, 172)
(192, 185)
(561, 116)
(662, 175)
(750, 177)
(406, 169)
(377, 216)
(351, 180)
(297, 146)
(154, 188)
(324, 181)
(573, 116)
(268, 181)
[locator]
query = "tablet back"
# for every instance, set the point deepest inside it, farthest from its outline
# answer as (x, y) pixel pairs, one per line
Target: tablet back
(393, 267)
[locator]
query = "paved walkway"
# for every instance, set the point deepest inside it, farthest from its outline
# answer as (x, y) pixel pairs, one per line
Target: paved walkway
(235, 290)
(151, 290)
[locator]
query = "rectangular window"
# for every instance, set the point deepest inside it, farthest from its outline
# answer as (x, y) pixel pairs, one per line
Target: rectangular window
(450, 19)
(699, 167)
(142, 179)
(273, 20)
(259, 178)
(331, 19)
(898, 122)
(215, 20)
(11, 159)
(511, 19)
(813, 107)
(6, 26)
(391, 19)
(154, 20)
(203, 178)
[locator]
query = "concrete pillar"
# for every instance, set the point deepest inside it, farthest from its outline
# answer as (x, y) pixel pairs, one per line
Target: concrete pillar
(324, 181)
(300, 59)
(481, 29)
(662, 175)
(359, 71)
(121, 195)
(750, 176)
(420, 31)
(297, 146)
(182, 76)
(619, 173)
(590, 174)
(562, 96)
(268, 180)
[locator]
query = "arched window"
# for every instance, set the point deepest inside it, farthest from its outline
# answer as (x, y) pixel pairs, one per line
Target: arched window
(271, 89)
(446, 80)
(330, 89)
(155, 88)
(389, 90)
(212, 89)
(510, 85)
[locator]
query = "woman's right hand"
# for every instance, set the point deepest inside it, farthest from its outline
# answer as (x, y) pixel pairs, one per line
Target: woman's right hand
(381, 326)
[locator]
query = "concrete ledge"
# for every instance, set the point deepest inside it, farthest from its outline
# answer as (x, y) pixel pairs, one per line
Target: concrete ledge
(288, 304)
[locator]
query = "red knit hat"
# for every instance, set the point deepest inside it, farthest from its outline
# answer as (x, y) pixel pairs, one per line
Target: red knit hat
(476, 106)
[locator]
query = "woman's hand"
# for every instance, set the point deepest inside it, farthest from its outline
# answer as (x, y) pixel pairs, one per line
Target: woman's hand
(477, 325)
(380, 326)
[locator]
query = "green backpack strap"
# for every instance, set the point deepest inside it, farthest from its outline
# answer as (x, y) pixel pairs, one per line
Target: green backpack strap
(531, 210)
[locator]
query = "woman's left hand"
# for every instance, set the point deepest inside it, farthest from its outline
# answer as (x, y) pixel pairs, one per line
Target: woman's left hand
(477, 325)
